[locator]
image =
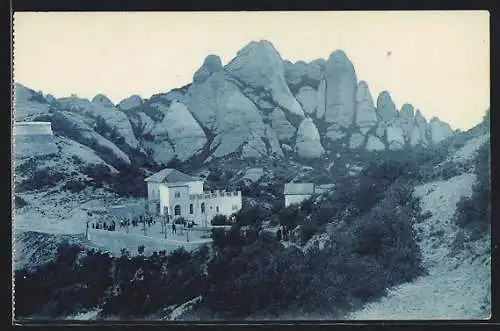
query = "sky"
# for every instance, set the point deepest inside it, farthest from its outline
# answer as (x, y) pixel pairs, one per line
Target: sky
(439, 60)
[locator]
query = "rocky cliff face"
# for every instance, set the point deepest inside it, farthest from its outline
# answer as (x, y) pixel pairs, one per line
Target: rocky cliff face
(258, 105)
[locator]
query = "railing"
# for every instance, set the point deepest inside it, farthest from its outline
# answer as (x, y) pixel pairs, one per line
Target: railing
(214, 194)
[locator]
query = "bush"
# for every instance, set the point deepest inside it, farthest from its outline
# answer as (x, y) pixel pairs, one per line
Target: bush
(74, 186)
(219, 220)
(41, 179)
(474, 213)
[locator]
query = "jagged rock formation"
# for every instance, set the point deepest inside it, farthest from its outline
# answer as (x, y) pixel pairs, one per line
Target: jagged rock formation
(74, 126)
(385, 107)
(284, 130)
(211, 64)
(182, 130)
(260, 66)
(256, 106)
(130, 102)
(341, 83)
(439, 130)
(102, 100)
(366, 116)
(308, 98)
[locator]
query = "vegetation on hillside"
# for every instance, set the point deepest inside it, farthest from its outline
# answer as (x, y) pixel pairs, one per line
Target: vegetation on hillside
(474, 213)
(250, 272)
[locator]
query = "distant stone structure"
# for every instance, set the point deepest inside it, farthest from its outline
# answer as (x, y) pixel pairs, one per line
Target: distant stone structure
(33, 139)
(295, 193)
(174, 193)
(32, 128)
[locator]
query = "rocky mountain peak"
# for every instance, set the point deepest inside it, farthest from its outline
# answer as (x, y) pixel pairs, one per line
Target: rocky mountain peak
(102, 100)
(385, 106)
(211, 64)
(341, 85)
(259, 66)
(130, 102)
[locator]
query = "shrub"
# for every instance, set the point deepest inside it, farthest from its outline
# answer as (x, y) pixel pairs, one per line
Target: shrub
(40, 179)
(74, 186)
(219, 220)
(474, 213)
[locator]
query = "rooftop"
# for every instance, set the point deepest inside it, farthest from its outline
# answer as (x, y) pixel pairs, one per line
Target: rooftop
(299, 188)
(171, 176)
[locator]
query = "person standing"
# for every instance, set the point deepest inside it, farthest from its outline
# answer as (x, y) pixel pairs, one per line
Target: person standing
(174, 230)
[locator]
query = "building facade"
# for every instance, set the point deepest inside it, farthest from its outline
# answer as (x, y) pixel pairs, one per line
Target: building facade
(180, 195)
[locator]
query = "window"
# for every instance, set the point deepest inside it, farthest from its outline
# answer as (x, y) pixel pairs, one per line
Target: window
(158, 208)
(191, 211)
(177, 210)
(177, 194)
(235, 207)
(217, 209)
(203, 208)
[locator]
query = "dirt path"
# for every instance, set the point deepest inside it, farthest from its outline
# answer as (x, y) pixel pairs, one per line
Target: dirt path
(458, 283)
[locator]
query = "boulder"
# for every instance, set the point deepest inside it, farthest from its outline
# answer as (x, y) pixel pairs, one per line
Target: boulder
(341, 84)
(211, 64)
(356, 140)
(385, 107)
(103, 100)
(366, 116)
(130, 102)
(308, 98)
(439, 130)
(308, 142)
(284, 130)
(260, 66)
(374, 144)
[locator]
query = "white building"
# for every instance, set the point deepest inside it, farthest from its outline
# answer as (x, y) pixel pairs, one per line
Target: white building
(295, 193)
(180, 195)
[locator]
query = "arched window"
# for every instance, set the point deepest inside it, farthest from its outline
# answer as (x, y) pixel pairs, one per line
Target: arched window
(203, 208)
(191, 211)
(217, 209)
(177, 210)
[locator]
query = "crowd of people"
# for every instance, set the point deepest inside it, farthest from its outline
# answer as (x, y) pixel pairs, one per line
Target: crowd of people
(124, 223)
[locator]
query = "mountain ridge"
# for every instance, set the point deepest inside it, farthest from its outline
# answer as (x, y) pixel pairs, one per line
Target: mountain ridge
(251, 107)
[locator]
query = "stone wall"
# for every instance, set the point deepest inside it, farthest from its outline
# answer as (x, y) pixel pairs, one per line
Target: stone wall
(32, 128)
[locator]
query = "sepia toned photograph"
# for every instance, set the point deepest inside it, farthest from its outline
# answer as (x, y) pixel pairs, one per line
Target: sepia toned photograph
(251, 166)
